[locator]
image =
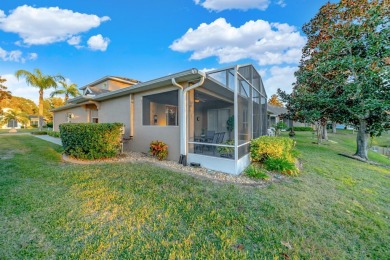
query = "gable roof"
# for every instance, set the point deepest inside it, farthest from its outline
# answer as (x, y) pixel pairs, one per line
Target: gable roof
(95, 91)
(115, 78)
(187, 75)
(275, 110)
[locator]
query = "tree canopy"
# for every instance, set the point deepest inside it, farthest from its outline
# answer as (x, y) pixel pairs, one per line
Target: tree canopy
(41, 81)
(344, 71)
(67, 90)
(4, 93)
(22, 104)
(275, 101)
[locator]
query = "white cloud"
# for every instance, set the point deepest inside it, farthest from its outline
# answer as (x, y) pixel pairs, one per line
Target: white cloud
(32, 56)
(266, 43)
(37, 26)
(98, 43)
(16, 56)
(279, 77)
(282, 3)
(220, 5)
(74, 40)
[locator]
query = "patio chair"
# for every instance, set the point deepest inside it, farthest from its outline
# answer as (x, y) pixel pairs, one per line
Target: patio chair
(209, 136)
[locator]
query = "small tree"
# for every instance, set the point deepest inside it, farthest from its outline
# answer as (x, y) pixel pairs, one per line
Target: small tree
(16, 116)
(67, 90)
(275, 101)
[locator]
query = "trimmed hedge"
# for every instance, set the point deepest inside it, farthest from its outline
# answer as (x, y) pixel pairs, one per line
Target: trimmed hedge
(39, 133)
(302, 128)
(53, 134)
(91, 141)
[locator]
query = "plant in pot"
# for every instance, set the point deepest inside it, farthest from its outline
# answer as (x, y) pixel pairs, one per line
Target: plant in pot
(230, 125)
(225, 151)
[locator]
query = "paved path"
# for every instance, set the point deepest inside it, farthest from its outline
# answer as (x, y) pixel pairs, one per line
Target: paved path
(49, 139)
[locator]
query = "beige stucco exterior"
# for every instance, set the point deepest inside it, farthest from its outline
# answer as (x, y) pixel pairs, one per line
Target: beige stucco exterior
(144, 134)
(81, 115)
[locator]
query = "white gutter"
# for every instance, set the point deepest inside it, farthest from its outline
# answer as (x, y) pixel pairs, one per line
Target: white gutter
(183, 112)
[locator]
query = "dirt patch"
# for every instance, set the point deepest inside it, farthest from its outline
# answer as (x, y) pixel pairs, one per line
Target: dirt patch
(198, 172)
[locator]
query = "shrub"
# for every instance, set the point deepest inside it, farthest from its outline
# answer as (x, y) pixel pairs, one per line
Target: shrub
(256, 172)
(265, 147)
(226, 151)
(159, 149)
(39, 133)
(301, 128)
(281, 165)
(91, 141)
(49, 124)
(54, 134)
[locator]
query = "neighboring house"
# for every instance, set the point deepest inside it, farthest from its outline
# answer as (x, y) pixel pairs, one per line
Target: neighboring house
(189, 111)
(275, 115)
(11, 123)
(34, 121)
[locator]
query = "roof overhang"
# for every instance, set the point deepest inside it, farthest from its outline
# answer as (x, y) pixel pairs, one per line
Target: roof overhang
(188, 75)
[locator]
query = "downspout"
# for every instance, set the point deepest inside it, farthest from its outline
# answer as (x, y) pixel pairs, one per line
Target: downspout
(183, 112)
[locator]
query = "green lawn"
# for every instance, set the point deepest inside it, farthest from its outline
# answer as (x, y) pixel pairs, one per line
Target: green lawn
(337, 208)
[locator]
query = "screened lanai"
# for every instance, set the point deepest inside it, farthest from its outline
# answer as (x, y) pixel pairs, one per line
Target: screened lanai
(224, 114)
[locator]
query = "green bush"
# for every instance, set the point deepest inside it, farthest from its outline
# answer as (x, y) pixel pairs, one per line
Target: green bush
(91, 141)
(39, 133)
(256, 172)
(281, 165)
(301, 128)
(159, 149)
(54, 134)
(49, 124)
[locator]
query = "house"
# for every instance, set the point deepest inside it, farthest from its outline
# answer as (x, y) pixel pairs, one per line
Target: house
(204, 118)
(275, 115)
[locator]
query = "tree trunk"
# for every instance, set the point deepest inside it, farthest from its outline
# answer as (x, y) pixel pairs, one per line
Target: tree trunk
(319, 132)
(40, 110)
(333, 127)
(324, 134)
(361, 140)
(66, 97)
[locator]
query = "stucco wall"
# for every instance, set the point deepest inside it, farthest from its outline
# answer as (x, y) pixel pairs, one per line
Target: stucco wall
(116, 110)
(81, 115)
(143, 135)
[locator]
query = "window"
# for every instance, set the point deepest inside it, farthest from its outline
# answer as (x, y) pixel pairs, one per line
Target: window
(160, 109)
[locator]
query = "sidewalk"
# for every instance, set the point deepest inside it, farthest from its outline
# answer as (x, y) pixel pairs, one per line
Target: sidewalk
(49, 139)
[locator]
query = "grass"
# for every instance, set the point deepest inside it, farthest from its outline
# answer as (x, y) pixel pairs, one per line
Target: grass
(337, 208)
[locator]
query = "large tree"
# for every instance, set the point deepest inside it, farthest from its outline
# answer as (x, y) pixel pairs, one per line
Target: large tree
(67, 89)
(4, 94)
(344, 70)
(41, 81)
(49, 104)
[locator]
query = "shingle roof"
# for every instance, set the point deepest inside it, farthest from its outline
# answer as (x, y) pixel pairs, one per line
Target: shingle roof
(276, 110)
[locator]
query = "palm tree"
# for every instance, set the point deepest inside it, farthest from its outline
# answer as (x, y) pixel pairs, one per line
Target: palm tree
(68, 90)
(15, 115)
(43, 82)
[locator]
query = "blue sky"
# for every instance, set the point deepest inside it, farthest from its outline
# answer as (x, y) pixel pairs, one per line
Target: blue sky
(87, 40)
